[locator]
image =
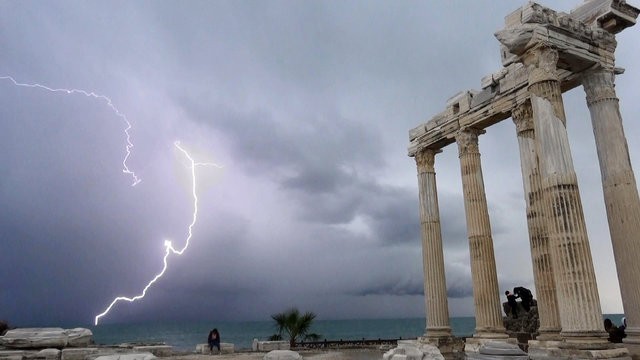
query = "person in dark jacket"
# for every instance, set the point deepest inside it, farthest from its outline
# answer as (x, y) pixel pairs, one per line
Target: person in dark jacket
(616, 334)
(214, 339)
(525, 295)
(511, 299)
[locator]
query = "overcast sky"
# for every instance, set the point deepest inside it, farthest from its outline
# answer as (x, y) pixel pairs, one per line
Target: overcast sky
(307, 105)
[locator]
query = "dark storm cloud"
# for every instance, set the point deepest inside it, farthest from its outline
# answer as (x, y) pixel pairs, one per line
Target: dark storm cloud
(397, 287)
(307, 104)
(458, 287)
(322, 165)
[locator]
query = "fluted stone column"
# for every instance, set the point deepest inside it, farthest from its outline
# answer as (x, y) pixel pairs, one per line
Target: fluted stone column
(538, 237)
(486, 295)
(577, 291)
(435, 285)
(620, 191)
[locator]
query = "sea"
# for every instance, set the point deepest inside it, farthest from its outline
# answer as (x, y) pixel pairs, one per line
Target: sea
(184, 336)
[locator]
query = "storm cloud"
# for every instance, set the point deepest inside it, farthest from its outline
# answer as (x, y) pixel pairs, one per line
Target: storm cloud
(307, 106)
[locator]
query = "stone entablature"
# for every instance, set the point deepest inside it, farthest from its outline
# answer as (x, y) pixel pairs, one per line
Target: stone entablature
(580, 45)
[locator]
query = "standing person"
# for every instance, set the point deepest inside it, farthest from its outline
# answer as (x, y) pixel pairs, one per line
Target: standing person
(524, 294)
(511, 299)
(214, 339)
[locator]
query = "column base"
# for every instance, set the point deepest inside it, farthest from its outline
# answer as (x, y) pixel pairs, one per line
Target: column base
(549, 335)
(438, 332)
(490, 334)
(472, 345)
(449, 346)
(633, 335)
(634, 349)
(632, 343)
(563, 350)
(585, 339)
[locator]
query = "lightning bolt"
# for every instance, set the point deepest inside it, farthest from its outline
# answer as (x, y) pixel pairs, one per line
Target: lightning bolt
(129, 144)
(169, 249)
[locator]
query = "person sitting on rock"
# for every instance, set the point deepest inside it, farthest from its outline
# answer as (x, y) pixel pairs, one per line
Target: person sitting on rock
(615, 333)
(524, 294)
(511, 299)
(214, 339)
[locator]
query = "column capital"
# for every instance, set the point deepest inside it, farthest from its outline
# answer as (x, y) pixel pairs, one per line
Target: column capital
(541, 62)
(467, 140)
(522, 116)
(599, 85)
(425, 159)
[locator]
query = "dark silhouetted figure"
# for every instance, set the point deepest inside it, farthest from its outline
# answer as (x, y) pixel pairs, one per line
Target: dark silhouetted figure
(214, 339)
(511, 299)
(616, 334)
(525, 295)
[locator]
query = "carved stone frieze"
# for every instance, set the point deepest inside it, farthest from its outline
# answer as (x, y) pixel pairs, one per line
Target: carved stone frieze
(599, 85)
(538, 14)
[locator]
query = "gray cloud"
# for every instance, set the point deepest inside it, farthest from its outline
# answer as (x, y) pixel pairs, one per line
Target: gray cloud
(307, 105)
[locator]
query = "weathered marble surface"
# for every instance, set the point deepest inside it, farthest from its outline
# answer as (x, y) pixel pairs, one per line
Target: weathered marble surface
(77, 353)
(225, 348)
(496, 350)
(79, 337)
(282, 355)
(39, 338)
(413, 350)
(35, 338)
(157, 350)
(132, 356)
(270, 345)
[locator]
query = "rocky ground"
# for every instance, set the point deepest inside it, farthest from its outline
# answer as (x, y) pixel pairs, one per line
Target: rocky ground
(347, 354)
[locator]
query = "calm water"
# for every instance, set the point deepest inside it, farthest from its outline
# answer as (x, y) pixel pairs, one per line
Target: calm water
(185, 336)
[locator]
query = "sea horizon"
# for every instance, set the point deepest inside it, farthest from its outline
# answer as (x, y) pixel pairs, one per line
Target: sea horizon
(185, 335)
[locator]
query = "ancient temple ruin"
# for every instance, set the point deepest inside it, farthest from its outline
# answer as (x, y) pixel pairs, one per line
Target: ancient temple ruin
(544, 53)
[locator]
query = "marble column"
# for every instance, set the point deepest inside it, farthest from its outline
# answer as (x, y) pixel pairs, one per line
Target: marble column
(574, 275)
(620, 191)
(435, 285)
(538, 237)
(486, 295)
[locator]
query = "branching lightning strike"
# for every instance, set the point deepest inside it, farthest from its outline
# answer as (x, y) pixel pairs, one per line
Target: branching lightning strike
(169, 249)
(125, 168)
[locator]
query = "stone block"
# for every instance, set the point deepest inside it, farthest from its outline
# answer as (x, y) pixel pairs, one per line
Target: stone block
(35, 338)
(227, 348)
(460, 102)
(79, 337)
(77, 353)
(273, 345)
(157, 350)
(203, 349)
(413, 350)
(46, 354)
(501, 348)
(15, 354)
(125, 356)
(513, 19)
(282, 355)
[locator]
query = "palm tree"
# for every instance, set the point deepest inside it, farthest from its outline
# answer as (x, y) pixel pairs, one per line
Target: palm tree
(294, 325)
